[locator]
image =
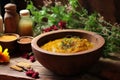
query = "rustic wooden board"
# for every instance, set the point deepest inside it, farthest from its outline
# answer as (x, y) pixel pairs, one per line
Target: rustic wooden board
(6, 71)
(98, 72)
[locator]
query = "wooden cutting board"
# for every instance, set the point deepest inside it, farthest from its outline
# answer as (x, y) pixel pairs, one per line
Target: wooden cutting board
(6, 73)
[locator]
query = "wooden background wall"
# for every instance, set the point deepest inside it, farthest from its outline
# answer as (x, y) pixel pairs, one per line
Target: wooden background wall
(110, 9)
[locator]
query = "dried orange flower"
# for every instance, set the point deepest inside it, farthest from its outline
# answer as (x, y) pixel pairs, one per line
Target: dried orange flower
(4, 56)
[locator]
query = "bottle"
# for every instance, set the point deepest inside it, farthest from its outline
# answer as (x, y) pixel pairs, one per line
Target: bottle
(1, 24)
(11, 18)
(25, 23)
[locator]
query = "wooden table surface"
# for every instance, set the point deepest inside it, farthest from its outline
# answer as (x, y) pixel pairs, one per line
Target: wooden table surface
(105, 69)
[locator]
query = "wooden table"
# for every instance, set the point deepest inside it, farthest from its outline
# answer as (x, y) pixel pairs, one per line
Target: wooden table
(105, 69)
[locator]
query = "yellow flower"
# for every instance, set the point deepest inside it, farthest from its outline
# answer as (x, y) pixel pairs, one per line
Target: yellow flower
(4, 56)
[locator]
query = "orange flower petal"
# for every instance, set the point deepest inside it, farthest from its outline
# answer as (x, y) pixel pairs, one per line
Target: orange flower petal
(4, 57)
(0, 49)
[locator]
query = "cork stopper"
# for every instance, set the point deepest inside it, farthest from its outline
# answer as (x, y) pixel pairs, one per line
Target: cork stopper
(10, 6)
(24, 12)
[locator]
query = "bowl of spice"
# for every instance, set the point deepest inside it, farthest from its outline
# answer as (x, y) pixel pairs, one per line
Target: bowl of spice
(69, 51)
(24, 43)
(9, 40)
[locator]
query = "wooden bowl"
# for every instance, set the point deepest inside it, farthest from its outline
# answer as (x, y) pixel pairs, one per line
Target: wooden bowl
(24, 43)
(67, 64)
(10, 43)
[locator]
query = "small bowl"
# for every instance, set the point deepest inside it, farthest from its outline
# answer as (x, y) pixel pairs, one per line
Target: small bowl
(10, 43)
(24, 43)
(67, 64)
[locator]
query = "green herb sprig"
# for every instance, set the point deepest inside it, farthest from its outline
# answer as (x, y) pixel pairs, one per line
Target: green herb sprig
(76, 17)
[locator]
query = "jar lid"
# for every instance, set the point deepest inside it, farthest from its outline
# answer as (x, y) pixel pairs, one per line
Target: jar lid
(10, 6)
(24, 12)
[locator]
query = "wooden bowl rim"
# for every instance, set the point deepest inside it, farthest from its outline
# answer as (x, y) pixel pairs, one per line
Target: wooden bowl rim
(24, 37)
(99, 37)
(14, 34)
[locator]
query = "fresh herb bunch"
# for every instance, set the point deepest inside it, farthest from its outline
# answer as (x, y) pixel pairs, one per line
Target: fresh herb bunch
(75, 17)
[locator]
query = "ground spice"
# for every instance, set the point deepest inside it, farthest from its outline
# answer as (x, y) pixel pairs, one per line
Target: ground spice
(25, 40)
(7, 38)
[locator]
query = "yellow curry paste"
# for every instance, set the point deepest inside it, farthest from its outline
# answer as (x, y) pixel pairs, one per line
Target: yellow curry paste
(68, 45)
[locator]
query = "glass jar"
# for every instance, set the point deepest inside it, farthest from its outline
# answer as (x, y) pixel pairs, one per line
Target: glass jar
(25, 24)
(1, 24)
